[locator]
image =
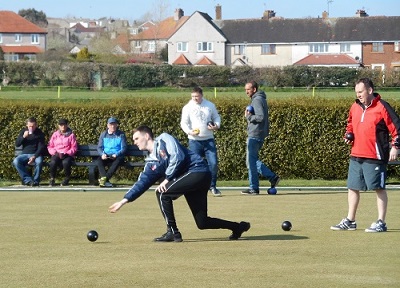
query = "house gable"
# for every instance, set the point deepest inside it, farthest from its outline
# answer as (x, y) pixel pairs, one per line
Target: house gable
(201, 37)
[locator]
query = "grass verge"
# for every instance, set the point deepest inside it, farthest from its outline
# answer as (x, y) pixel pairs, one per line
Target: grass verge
(43, 242)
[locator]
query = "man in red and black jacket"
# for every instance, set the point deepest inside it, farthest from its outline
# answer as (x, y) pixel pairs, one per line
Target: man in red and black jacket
(370, 124)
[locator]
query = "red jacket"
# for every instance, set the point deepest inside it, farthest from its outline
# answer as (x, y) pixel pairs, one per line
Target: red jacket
(371, 127)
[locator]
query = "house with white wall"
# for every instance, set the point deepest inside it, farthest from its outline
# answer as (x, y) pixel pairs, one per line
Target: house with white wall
(198, 40)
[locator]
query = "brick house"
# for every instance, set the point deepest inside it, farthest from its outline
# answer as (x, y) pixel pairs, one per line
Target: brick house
(19, 38)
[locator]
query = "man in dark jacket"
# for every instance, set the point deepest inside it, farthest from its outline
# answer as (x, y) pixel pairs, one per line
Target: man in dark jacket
(31, 139)
(256, 115)
(183, 173)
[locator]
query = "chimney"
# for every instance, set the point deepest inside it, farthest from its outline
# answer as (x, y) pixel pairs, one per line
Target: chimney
(268, 14)
(325, 15)
(178, 14)
(361, 13)
(218, 12)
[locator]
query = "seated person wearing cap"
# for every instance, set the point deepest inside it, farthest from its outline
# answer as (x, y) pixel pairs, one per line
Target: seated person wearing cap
(62, 148)
(111, 148)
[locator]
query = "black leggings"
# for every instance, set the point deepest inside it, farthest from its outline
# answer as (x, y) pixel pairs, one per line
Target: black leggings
(194, 186)
(57, 162)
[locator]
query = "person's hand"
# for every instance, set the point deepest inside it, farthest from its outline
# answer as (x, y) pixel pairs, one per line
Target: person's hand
(194, 132)
(104, 156)
(162, 187)
(117, 205)
(212, 127)
(393, 154)
(113, 156)
(26, 133)
(31, 160)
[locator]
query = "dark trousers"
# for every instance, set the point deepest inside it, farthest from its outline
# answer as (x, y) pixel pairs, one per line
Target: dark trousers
(194, 186)
(57, 162)
(112, 165)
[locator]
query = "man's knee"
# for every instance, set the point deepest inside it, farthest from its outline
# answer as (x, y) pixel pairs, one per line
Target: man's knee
(201, 220)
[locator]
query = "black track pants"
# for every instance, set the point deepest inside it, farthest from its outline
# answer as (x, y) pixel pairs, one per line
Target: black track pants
(194, 186)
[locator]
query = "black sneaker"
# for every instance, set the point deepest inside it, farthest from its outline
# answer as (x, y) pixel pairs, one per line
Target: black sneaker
(35, 184)
(30, 183)
(52, 182)
(251, 192)
(215, 192)
(65, 182)
(275, 181)
(243, 227)
(169, 237)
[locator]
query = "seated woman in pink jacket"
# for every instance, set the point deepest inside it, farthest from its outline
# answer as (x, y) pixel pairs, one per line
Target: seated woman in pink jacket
(62, 148)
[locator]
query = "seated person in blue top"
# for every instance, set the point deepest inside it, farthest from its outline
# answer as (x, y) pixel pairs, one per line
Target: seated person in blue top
(31, 138)
(111, 148)
(182, 172)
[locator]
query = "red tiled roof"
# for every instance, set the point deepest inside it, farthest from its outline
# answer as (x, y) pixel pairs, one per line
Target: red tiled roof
(205, 61)
(21, 49)
(82, 29)
(327, 59)
(182, 60)
(163, 30)
(123, 42)
(11, 22)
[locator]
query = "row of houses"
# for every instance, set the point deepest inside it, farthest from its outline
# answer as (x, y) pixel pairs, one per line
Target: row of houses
(198, 39)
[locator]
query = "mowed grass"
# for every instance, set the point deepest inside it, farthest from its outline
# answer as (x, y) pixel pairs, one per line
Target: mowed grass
(210, 93)
(43, 242)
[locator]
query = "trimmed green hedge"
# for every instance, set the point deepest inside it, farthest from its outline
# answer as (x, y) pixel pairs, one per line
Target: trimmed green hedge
(133, 76)
(305, 140)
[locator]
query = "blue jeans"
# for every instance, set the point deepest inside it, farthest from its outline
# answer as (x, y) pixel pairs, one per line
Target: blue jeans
(21, 161)
(254, 165)
(208, 150)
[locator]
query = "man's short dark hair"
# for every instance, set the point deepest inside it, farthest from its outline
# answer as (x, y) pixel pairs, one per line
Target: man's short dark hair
(367, 83)
(31, 120)
(197, 89)
(144, 129)
(253, 84)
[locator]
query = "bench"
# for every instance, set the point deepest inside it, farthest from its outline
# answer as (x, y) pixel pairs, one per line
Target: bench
(90, 151)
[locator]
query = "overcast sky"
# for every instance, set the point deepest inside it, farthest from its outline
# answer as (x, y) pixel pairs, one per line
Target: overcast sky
(231, 9)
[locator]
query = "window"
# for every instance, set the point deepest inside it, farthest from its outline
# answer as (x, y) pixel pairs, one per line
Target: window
(138, 44)
(239, 50)
(377, 47)
(182, 47)
(35, 38)
(18, 37)
(397, 46)
(204, 46)
(268, 49)
(344, 47)
(1, 38)
(11, 57)
(319, 48)
(152, 46)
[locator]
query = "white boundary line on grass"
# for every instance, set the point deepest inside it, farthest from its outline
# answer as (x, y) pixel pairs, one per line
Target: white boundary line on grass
(126, 188)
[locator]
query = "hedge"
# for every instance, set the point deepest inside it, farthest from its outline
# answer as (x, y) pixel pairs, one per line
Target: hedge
(133, 76)
(305, 140)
